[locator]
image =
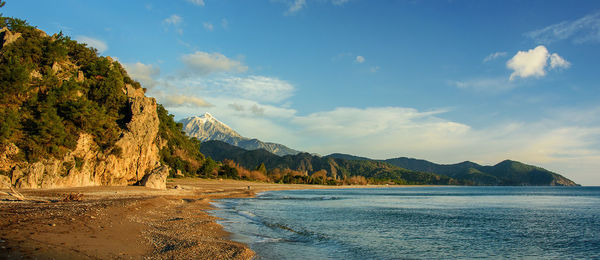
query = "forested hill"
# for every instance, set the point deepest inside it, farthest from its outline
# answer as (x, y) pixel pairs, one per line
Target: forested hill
(399, 170)
(73, 118)
(334, 168)
(504, 173)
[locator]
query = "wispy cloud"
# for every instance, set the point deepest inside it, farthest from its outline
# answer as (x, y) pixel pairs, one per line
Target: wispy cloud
(489, 85)
(98, 44)
(145, 74)
(260, 88)
(173, 20)
(225, 23)
(205, 63)
(339, 2)
(583, 30)
(175, 100)
(360, 59)
(253, 87)
(494, 56)
(558, 62)
(196, 2)
(208, 26)
(533, 63)
(296, 6)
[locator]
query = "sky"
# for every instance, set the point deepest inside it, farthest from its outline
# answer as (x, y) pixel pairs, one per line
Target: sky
(445, 81)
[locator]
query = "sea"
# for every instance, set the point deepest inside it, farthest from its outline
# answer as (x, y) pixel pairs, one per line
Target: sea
(418, 223)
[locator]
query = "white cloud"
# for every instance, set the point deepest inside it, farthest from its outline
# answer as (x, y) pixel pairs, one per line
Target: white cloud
(375, 69)
(582, 30)
(205, 63)
(208, 26)
(145, 74)
(360, 59)
(173, 19)
(177, 100)
(348, 122)
(257, 88)
(98, 44)
(529, 63)
(241, 107)
(196, 2)
(296, 6)
(494, 56)
(532, 63)
(558, 62)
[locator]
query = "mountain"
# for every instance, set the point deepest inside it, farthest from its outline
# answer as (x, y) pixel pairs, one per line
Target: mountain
(73, 118)
(398, 170)
(504, 173)
(207, 128)
(338, 169)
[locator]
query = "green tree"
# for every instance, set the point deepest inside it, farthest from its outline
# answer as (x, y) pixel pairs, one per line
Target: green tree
(208, 168)
(261, 168)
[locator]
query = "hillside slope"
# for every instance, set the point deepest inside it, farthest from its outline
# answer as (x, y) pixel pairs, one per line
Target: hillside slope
(504, 173)
(338, 169)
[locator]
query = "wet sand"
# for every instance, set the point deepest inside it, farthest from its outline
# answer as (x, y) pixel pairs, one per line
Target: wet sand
(126, 222)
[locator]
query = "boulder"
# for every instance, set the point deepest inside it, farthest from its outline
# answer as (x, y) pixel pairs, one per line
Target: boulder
(157, 178)
(7, 37)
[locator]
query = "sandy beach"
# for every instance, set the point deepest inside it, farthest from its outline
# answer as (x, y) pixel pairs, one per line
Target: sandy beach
(126, 222)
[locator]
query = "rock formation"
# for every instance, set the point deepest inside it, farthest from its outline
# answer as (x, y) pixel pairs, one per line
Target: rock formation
(86, 165)
(157, 179)
(7, 37)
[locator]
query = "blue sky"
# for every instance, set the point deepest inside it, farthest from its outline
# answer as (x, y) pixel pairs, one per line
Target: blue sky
(446, 81)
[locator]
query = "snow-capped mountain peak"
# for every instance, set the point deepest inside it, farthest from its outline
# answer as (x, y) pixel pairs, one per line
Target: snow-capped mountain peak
(207, 127)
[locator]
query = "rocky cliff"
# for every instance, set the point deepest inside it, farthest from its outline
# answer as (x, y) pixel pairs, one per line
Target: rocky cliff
(87, 165)
(71, 118)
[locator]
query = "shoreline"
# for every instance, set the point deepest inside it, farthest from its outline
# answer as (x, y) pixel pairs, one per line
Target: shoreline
(129, 221)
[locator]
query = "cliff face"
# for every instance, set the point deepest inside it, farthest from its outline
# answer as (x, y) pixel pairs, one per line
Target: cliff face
(86, 165)
(71, 118)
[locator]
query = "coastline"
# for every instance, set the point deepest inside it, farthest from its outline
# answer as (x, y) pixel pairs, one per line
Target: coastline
(128, 222)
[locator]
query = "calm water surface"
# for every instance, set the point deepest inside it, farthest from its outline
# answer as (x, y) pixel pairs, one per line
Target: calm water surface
(418, 223)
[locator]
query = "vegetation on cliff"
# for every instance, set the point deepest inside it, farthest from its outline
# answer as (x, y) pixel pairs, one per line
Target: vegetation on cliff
(53, 89)
(44, 100)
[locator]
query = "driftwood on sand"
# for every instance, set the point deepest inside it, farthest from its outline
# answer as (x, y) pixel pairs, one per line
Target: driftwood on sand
(20, 197)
